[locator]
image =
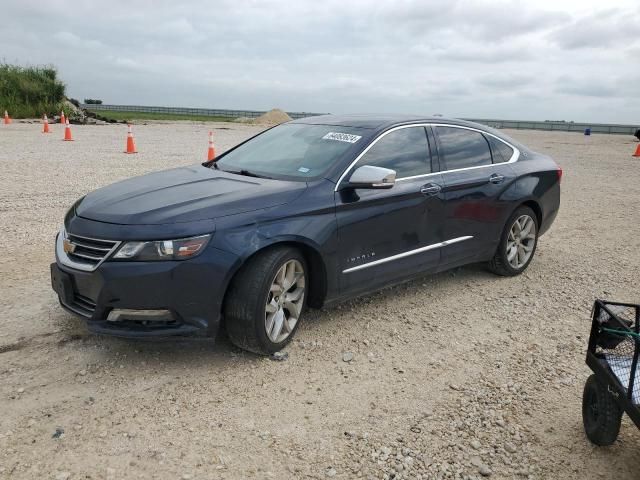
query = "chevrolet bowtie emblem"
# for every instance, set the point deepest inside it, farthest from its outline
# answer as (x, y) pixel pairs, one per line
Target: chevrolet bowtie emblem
(67, 246)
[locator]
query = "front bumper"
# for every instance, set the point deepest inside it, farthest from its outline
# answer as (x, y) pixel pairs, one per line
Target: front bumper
(191, 290)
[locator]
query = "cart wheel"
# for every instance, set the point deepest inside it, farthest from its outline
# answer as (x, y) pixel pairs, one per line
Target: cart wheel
(601, 414)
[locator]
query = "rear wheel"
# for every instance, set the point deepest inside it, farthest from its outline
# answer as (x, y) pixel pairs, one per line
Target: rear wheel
(601, 414)
(517, 244)
(266, 300)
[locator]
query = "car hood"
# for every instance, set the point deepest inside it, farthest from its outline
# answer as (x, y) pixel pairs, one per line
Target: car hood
(186, 194)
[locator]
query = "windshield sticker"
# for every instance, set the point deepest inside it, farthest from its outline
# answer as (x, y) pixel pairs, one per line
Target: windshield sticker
(342, 137)
(303, 170)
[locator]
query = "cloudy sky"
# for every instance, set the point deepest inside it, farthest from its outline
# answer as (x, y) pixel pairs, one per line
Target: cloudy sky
(549, 59)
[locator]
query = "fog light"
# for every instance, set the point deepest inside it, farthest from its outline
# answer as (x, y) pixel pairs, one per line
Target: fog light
(120, 314)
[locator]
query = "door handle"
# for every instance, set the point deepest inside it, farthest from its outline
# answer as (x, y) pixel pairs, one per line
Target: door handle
(430, 189)
(496, 178)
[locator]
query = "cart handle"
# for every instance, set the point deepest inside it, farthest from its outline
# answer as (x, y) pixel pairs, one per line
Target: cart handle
(622, 333)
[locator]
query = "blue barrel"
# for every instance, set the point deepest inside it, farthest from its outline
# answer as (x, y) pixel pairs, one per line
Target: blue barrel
(587, 131)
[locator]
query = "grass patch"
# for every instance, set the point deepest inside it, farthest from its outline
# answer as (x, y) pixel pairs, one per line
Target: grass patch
(28, 92)
(123, 116)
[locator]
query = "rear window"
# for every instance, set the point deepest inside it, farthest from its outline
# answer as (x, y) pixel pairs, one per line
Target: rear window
(462, 148)
(500, 150)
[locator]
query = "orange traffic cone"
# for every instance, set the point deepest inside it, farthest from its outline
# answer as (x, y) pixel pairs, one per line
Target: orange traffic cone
(637, 152)
(62, 118)
(45, 127)
(67, 132)
(131, 145)
(7, 118)
(211, 154)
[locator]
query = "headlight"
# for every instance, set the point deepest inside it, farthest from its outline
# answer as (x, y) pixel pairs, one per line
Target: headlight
(162, 249)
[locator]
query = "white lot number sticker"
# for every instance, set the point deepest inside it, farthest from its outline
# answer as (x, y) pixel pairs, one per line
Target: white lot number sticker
(342, 137)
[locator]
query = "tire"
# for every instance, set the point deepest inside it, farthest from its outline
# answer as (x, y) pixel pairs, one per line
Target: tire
(246, 311)
(601, 415)
(502, 263)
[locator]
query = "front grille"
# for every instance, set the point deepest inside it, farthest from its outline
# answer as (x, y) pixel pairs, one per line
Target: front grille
(88, 251)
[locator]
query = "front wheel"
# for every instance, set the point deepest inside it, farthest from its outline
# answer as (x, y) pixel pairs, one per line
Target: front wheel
(517, 244)
(266, 300)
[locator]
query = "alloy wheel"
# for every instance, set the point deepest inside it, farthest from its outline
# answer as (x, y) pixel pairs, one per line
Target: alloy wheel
(284, 301)
(521, 241)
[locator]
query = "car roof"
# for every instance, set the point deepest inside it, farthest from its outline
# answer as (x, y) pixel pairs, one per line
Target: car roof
(380, 121)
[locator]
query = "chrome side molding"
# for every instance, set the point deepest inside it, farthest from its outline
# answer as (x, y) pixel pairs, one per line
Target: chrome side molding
(407, 254)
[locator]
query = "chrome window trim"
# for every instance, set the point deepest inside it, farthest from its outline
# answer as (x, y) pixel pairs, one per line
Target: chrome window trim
(413, 177)
(67, 262)
(514, 157)
(407, 254)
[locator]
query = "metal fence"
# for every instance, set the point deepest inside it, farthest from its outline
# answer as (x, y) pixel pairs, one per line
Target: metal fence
(515, 124)
(205, 112)
(558, 126)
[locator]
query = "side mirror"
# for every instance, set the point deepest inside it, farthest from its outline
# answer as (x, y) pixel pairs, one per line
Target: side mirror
(369, 176)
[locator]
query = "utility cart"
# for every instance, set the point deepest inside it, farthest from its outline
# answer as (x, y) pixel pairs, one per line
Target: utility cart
(614, 387)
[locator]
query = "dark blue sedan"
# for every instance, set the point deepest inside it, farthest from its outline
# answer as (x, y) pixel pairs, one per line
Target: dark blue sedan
(308, 213)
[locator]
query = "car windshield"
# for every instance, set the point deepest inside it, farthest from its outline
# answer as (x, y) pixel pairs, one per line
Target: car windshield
(292, 151)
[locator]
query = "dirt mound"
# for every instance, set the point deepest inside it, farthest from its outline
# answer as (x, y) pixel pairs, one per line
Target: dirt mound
(272, 117)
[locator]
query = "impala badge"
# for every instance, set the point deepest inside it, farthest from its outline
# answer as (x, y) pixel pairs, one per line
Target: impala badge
(359, 258)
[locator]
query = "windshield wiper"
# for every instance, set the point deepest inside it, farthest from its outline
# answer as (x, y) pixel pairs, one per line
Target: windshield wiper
(246, 173)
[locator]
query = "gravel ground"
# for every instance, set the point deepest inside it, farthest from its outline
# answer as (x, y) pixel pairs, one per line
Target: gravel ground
(458, 375)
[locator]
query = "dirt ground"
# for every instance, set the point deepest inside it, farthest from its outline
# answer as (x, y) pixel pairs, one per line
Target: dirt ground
(458, 375)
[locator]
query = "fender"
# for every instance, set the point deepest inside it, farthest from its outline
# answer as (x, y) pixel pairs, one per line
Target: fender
(315, 231)
(322, 277)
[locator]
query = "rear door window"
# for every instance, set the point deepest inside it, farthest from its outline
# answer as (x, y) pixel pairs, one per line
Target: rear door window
(405, 150)
(462, 148)
(501, 151)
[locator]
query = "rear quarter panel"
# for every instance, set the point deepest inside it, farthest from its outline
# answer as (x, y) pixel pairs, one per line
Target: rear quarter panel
(538, 181)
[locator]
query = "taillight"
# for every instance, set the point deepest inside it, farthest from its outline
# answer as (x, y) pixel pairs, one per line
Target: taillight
(559, 174)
